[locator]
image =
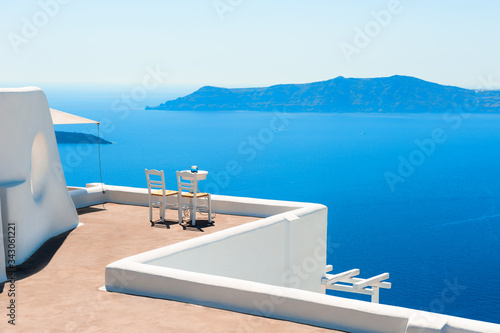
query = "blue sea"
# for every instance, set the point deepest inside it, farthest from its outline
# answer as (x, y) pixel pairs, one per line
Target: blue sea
(415, 195)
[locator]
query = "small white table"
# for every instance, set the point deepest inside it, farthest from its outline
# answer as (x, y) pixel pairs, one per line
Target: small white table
(200, 175)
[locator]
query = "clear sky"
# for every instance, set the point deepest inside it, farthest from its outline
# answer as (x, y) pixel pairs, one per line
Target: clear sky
(239, 43)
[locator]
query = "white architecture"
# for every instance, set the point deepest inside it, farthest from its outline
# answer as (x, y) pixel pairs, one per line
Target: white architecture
(33, 194)
(273, 267)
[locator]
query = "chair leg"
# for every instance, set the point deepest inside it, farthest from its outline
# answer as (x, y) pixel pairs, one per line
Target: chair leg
(180, 213)
(193, 211)
(162, 213)
(209, 209)
(151, 215)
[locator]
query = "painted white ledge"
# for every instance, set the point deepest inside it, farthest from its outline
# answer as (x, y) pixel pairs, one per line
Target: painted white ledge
(248, 269)
(93, 194)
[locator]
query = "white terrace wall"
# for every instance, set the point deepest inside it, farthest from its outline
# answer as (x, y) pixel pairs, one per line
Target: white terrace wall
(32, 186)
(274, 251)
(287, 250)
(271, 267)
(93, 195)
(294, 248)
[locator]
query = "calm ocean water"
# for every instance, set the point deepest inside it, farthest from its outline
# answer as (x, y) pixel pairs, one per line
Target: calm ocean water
(413, 195)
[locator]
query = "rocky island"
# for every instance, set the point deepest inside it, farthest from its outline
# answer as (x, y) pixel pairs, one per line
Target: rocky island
(79, 138)
(388, 94)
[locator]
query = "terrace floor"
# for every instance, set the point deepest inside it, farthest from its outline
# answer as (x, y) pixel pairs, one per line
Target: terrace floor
(57, 289)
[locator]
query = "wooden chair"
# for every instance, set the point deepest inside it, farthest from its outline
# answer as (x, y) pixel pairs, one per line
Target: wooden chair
(158, 194)
(189, 195)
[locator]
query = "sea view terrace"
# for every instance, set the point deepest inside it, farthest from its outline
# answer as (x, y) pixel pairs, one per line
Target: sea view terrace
(68, 273)
(59, 285)
(346, 152)
(269, 261)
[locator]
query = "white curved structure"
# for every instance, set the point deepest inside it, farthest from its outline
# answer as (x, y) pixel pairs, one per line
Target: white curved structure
(271, 267)
(33, 192)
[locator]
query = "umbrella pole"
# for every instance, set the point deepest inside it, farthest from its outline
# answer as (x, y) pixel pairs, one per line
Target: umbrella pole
(99, 151)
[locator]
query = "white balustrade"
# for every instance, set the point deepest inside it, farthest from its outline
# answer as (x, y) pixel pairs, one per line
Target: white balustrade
(346, 281)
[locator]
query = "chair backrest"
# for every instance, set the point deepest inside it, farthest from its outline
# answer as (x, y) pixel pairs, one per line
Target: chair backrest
(187, 182)
(156, 180)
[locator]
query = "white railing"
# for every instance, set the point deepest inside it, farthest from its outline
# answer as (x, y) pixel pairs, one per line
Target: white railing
(346, 281)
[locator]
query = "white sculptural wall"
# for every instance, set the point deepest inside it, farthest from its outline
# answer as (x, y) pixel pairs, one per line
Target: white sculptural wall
(33, 190)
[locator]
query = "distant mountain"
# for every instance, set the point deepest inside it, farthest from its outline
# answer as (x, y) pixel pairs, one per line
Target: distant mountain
(389, 94)
(79, 138)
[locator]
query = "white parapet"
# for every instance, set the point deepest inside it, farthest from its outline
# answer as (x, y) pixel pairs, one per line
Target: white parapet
(272, 267)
